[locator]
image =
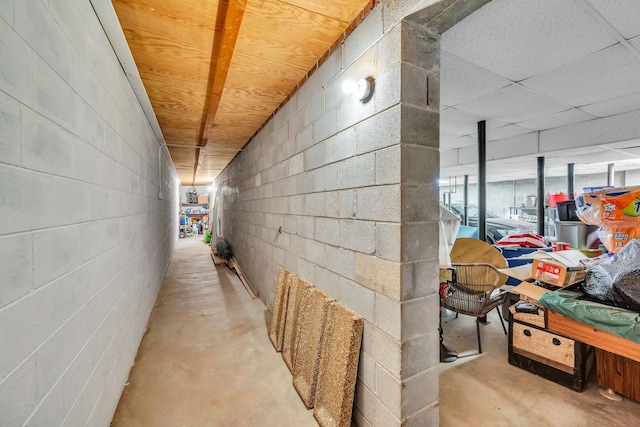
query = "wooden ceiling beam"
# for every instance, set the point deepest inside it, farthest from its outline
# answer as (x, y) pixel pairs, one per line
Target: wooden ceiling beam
(232, 21)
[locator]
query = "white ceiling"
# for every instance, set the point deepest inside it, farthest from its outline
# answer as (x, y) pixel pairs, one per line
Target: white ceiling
(552, 78)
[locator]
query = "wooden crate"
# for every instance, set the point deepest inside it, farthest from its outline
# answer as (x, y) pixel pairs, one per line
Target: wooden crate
(559, 359)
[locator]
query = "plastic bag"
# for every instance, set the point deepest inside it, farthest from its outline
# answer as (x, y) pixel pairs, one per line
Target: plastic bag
(615, 204)
(600, 279)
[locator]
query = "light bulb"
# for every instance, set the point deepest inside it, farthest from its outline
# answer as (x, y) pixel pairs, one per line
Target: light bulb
(349, 86)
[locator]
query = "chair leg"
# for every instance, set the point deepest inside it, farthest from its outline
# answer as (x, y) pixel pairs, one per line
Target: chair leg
(479, 342)
(501, 321)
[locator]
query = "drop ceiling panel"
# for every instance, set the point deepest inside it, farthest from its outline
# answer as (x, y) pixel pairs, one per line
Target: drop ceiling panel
(459, 122)
(623, 15)
(555, 120)
(622, 104)
(519, 39)
(511, 104)
(604, 75)
(506, 132)
(461, 81)
(459, 142)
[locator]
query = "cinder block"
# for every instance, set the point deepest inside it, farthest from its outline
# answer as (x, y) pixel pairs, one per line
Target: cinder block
(16, 267)
(380, 131)
(307, 91)
(46, 147)
(315, 252)
(389, 391)
(18, 394)
(419, 203)
(358, 235)
(314, 157)
(420, 354)
(378, 274)
(306, 227)
(340, 204)
(388, 88)
(328, 231)
(326, 178)
(364, 36)
(305, 183)
(388, 241)
(419, 164)
(296, 164)
(330, 68)
(414, 84)
(296, 123)
(420, 316)
(388, 316)
(314, 109)
(326, 125)
(15, 57)
(420, 392)
(304, 139)
(357, 171)
(419, 45)
(420, 126)
(327, 281)
(289, 109)
(341, 146)
(315, 204)
(290, 223)
(419, 278)
(56, 251)
(296, 203)
(382, 348)
(358, 298)
(389, 49)
(380, 203)
(6, 14)
(414, 236)
(428, 417)
(10, 134)
(341, 261)
(53, 97)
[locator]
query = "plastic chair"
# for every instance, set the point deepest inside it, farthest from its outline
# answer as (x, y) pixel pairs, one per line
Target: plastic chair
(472, 292)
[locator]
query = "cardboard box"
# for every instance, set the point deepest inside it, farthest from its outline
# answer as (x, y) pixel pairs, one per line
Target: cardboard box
(556, 273)
(203, 200)
(530, 292)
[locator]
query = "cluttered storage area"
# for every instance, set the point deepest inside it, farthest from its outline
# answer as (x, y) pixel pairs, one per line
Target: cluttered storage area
(568, 310)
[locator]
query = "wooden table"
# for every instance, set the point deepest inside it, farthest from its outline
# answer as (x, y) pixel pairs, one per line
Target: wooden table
(617, 358)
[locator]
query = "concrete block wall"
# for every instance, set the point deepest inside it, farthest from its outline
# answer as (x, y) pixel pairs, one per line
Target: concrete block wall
(84, 239)
(343, 193)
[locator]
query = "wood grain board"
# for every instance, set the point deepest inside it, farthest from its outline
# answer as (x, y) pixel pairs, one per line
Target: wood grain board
(589, 335)
(276, 330)
(338, 367)
(313, 316)
(177, 47)
(291, 324)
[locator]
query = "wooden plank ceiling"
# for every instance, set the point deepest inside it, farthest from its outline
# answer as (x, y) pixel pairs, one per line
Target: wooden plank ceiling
(215, 70)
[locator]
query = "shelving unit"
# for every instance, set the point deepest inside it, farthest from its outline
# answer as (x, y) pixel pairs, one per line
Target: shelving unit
(190, 211)
(531, 215)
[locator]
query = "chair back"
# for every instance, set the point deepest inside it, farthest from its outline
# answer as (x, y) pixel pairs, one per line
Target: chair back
(470, 291)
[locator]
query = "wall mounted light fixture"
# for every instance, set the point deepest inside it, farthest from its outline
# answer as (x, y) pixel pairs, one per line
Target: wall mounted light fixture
(362, 89)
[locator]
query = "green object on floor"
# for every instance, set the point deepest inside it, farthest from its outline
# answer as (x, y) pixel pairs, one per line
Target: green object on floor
(207, 237)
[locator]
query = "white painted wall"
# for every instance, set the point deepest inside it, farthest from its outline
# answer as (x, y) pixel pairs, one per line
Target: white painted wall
(84, 239)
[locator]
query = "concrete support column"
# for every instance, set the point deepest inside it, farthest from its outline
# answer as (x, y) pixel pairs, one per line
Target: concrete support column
(419, 301)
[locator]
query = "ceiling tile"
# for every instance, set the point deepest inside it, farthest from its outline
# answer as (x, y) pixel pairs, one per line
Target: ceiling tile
(511, 105)
(461, 81)
(519, 39)
(606, 74)
(506, 132)
(459, 122)
(562, 118)
(622, 104)
(623, 15)
(459, 142)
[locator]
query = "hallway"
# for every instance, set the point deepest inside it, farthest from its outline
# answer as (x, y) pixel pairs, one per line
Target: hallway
(206, 359)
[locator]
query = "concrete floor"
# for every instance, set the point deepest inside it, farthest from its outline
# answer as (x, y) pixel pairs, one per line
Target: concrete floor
(206, 360)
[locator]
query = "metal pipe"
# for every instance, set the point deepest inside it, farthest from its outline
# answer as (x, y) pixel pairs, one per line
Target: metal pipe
(611, 174)
(465, 197)
(540, 211)
(571, 180)
(482, 180)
